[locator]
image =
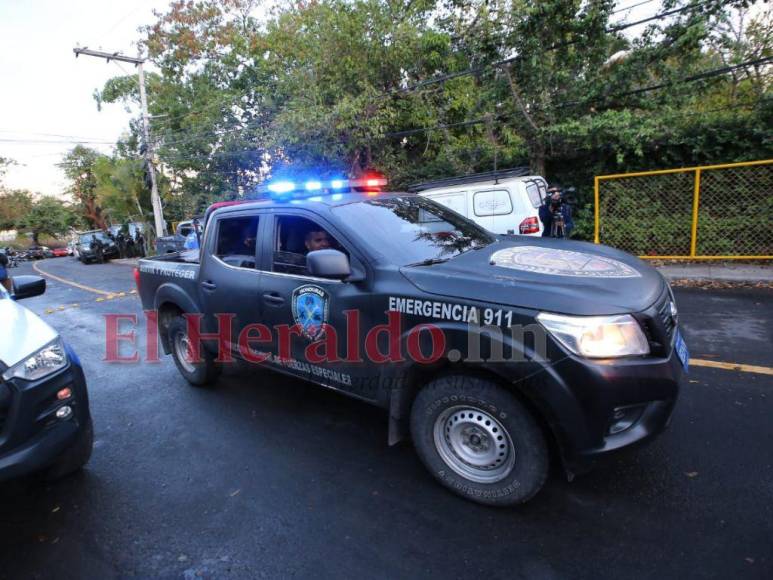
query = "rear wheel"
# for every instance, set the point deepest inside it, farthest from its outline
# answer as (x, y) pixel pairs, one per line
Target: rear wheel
(200, 372)
(478, 440)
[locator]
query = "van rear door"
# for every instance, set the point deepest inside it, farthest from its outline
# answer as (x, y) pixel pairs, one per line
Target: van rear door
(493, 209)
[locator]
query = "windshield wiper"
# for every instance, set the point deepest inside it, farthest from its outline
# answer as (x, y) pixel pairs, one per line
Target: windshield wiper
(428, 262)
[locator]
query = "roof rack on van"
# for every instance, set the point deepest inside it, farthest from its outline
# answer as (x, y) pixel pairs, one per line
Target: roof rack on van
(471, 178)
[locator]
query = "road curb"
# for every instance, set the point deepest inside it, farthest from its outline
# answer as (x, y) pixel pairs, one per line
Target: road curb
(734, 273)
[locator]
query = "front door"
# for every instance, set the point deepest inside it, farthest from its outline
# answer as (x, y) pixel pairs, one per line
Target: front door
(318, 324)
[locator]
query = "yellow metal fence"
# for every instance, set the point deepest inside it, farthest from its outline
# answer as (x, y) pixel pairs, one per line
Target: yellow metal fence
(714, 212)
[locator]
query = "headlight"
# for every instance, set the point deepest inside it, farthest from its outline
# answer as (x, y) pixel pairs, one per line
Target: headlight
(597, 336)
(47, 360)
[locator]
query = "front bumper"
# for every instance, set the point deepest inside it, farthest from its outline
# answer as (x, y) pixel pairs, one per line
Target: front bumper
(583, 398)
(31, 437)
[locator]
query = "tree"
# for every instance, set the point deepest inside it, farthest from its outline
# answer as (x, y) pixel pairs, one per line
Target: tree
(121, 189)
(424, 89)
(14, 206)
(79, 167)
(49, 216)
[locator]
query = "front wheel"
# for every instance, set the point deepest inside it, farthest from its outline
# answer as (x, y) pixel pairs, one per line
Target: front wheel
(200, 372)
(478, 440)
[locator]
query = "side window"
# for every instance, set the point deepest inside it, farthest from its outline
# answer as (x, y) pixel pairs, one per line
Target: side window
(235, 243)
(535, 193)
(295, 237)
(493, 202)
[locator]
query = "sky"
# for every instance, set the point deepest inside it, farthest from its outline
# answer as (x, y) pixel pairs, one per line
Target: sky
(46, 94)
(46, 100)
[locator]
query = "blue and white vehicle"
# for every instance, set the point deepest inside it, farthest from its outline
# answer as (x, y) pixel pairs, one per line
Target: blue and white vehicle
(45, 422)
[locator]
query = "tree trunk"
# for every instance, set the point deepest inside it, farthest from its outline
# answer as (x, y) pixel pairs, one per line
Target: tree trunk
(35, 241)
(537, 158)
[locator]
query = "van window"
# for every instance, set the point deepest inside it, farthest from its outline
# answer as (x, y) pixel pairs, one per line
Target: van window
(535, 190)
(492, 202)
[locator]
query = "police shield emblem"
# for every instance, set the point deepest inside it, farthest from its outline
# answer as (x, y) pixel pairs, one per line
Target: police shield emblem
(310, 310)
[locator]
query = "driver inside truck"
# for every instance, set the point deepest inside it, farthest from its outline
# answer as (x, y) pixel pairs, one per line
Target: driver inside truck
(317, 239)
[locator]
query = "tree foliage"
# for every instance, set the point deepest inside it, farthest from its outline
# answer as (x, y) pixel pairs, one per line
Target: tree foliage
(424, 89)
(14, 206)
(48, 216)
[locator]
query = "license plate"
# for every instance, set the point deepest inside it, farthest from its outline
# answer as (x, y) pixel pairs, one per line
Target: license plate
(681, 351)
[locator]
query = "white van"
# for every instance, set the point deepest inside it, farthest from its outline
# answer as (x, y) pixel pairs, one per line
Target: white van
(503, 202)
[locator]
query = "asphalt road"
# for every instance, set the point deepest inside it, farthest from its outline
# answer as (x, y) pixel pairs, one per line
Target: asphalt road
(267, 476)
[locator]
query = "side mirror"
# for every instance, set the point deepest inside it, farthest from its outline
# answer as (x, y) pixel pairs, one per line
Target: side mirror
(328, 264)
(28, 286)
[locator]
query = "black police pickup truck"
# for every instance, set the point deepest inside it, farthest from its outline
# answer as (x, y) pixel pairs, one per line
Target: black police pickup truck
(495, 354)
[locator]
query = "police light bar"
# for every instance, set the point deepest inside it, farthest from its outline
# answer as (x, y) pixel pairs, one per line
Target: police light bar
(370, 183)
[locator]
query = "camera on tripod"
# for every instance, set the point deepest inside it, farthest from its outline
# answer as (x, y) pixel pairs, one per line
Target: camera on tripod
(555, 200)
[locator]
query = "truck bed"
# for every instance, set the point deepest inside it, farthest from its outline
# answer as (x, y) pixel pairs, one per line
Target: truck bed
(184, 256)
(179, 270)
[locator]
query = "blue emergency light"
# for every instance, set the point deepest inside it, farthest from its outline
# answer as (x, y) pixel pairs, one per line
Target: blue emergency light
(370, 183)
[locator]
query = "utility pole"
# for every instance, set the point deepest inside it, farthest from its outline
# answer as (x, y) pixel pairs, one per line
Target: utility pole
(155, 200)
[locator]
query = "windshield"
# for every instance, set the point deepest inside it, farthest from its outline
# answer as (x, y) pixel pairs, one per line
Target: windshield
(413, 230)
(86, 238)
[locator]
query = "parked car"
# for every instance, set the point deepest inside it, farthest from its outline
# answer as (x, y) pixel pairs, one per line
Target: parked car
(175, 242)
(45, 420)
(60, 252)
(38, 253)
(86, 254)
(503, 202)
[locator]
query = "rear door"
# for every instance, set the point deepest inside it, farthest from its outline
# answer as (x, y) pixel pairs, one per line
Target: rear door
(493, 209)
(532, 193)
(229, 280)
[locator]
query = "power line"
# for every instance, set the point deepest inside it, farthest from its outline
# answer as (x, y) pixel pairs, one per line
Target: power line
(155, 199)
(479, 69)
(442, 126)
(50, 142)
(507, 61)
(624, 8)
(418, 86)
(700, 76)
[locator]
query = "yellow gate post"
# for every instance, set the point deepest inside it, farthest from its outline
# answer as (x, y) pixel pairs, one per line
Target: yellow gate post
(695, 202)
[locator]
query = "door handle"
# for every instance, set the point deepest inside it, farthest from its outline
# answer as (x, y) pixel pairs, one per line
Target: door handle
(273, 298)
(209, 286)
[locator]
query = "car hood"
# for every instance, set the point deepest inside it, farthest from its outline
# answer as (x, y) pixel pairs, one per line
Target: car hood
(545, 274)
(23, 332)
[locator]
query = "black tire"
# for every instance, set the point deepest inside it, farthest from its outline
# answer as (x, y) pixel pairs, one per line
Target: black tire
(74, 458)
(458, 408)
(198, 374)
